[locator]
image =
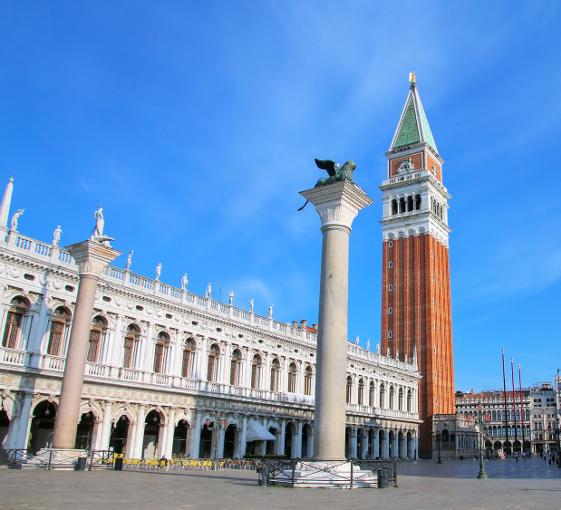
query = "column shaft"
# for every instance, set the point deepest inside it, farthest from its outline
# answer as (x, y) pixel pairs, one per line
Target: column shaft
(329, 436)
(67, 416)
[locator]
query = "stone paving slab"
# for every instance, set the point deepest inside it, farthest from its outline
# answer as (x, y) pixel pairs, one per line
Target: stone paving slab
(424, 485)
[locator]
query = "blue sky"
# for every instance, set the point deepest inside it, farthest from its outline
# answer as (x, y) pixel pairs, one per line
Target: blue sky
(195, 124)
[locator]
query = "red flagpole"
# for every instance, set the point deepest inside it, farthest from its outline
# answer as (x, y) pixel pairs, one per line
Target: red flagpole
(504, 394)
(513, 401)
(521, 405)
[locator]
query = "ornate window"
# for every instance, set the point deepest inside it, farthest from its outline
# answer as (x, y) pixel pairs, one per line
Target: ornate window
(275, 371)
(394, 206)
(371, 394)
(409, 203)
(212, 365)
(360, 392)
(417, 202)
(235, 363)
(292, 371)
(402, 205)
(400, 399)
(160, 351)
(14, 322)
(188, 358)
(308, 377)
(255, 372)
(99, 325)
(382, 396)
(391, 397)
(349, 390)
(409, 400)
(130, 344)
(57, 334)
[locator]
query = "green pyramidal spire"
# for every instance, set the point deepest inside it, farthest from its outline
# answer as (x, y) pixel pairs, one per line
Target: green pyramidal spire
(413, 124)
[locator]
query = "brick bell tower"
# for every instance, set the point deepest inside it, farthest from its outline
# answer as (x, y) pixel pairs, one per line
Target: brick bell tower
(416, 312)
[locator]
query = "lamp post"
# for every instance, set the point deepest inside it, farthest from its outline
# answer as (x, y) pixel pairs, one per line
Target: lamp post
(436, 432)
(480, 427)
(557, 432)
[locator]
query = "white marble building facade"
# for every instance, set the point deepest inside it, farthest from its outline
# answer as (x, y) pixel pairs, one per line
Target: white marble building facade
(173, 373)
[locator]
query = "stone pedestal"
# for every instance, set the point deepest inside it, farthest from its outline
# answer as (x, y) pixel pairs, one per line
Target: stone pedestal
(337, 205)
(92, 258)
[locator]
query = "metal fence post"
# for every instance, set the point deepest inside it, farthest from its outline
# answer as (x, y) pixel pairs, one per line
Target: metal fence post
(352, 473)
(50, 458)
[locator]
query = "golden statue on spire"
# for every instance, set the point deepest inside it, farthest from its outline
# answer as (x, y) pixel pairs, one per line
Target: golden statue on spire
(412, 78)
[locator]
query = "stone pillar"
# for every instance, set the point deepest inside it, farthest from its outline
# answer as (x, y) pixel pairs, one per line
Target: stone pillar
(376, 452)
(138, 451)
(281, 436)
(18, 431)
(386, 445)
(337, 205)
(92, 258)
(364, 444)
(297, 441)
(395, 447)
(103, 443)
(168, 446)
(220, 440)
(242, 438)
(196, 436)
(353, 440)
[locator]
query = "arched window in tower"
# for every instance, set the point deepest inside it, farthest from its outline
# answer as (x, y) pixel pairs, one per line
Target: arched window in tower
(275, 372)
(130, 345)
(349, 390)
(371, 394)
(360, 392)
(394, 206)
(382, 396)
(409, 401)
(97, 334)
(409, 203)
(235, 364)
(188, 358)
(14, 323)
(391, 397)
(308, 378)
(59, 328)
(400, 399)
(212, 365)
(292, 371)
(255, 372)
(417, 202)
(160, 350)
(402, 205)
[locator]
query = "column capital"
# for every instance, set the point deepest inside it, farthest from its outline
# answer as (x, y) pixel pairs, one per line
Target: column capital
(337, 204)
(92, 256)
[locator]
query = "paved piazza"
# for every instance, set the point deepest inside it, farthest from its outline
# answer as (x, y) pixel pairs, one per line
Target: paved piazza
(531, 484)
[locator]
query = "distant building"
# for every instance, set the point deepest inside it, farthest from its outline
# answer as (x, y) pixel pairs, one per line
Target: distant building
(544, 422)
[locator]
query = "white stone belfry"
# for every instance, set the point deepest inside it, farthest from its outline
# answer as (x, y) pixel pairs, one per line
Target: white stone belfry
(337, 205)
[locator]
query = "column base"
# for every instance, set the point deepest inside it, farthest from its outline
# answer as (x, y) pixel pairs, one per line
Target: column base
(56, 458)
(325, 474)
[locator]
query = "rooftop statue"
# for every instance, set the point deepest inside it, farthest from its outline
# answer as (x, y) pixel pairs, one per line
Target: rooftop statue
(15, 219)
(97, 232)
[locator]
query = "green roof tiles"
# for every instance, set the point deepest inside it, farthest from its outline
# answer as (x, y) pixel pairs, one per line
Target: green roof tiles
(413, 125)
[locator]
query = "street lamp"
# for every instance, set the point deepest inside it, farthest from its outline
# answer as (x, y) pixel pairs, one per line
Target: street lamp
(480, 427)
(557, 431)
(437, 437)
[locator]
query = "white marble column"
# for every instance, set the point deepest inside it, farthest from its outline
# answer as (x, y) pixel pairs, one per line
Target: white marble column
(281, 438)
(92, 258)
(353, 443)
(138, 452)
(170, 426)
(196, 436)
(386, 445)
(376, 452)
(364, 444)
(337, 205)
(297, 441)
(220, 441)
(104, 437)
(242, 438)
(18, 431)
